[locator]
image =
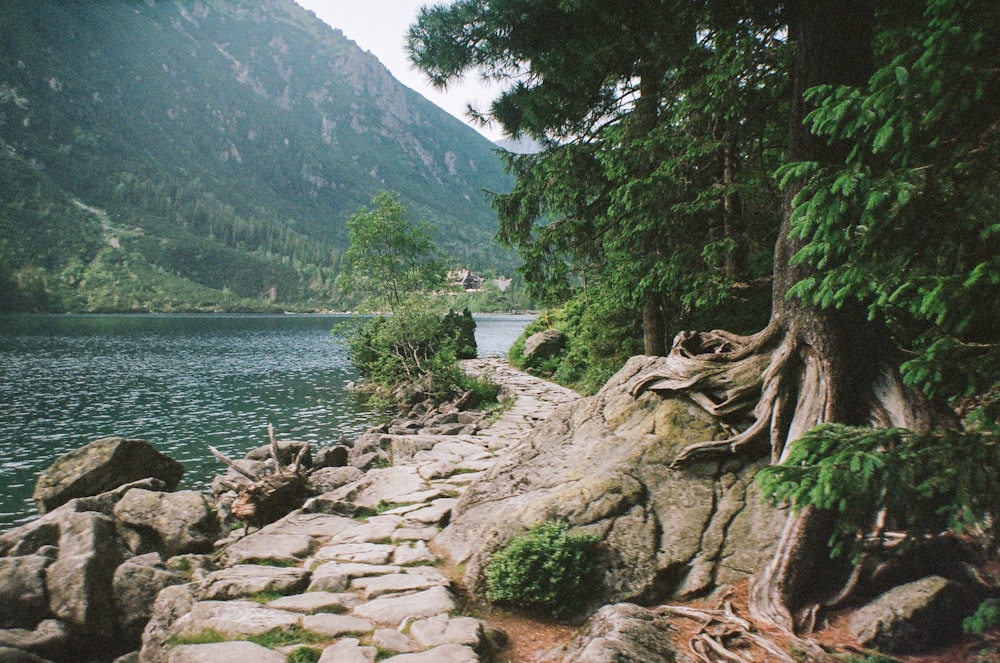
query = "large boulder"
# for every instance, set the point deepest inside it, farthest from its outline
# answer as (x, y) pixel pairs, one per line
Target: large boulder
(623, 633)
(23, 598)
(101, 466)
(603, 465)
(544, 344)
(912, 618)
(168, 523)
(135, 586)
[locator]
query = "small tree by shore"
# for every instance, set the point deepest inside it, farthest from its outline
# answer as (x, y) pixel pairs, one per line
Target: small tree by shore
(417, 345)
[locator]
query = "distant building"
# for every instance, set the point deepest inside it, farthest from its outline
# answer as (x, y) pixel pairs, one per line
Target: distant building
(466, 279)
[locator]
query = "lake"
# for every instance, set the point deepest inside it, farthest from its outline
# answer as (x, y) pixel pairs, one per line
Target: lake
(181, 382)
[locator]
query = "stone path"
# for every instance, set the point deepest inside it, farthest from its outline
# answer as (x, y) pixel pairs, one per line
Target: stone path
(364, 588)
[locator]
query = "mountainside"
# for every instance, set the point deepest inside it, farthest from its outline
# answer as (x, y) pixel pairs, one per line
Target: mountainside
(178, 155)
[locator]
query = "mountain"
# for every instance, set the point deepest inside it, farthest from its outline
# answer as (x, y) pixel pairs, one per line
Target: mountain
(205, 155)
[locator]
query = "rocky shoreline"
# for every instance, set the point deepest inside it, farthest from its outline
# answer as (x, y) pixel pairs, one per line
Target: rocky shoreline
(365, 565)
(141, 573)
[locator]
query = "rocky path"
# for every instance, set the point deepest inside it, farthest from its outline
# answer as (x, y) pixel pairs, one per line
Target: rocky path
(359, 588)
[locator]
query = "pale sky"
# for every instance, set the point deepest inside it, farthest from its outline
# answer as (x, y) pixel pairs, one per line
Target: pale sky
(380, 26)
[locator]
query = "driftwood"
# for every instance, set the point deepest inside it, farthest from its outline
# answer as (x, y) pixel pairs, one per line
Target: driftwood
(267, 497)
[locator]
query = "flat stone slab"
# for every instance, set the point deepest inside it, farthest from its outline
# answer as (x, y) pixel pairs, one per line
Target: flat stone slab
(234, 619)
(319, 525)
(362, 553)
(336, 626)
(442, 654)
(389, 484)
(436, 513)
(272, 548)
(397, 583)
(414, 533)
(413, 552)
(250, 579)
(348, 650)
(311, 603)
(445, 630)
(391, 640)
(225, 652)
(337, 576)
(378, 529)
(391, 611)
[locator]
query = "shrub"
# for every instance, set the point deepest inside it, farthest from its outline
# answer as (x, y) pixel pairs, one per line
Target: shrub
(544, 568)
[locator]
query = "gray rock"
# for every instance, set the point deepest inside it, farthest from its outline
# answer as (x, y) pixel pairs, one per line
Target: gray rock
(391, 640)
(101, 466)
(337, 576)
(603, 464)
(361, 553)
(331, 478)
(135, 586)
(348, 650)
(243, 580)
(336, 626)
(442, 654)
(391, 611)
(310, 524)
(623, 633)
(311, 603)
(332, 457)
(912, 618)
(11, 655)
(23, 599)
(171, 604)
(413, 552)
(234, 619)
(169, 523)
(389, 484)
(544, 344)
(288, 451)
(444, 630)
(376, 530)
(372, 587)
(49, 639)
(225, 652)
(79, 582)
(282, 549)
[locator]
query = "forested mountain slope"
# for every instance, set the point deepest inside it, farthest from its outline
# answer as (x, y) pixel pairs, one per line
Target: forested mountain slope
(159, 155)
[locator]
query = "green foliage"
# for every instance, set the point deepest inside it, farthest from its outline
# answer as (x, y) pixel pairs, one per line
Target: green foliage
(987, 616)
(547, 567)
(305, 655)
(925, 483)
(907, 224)
(389, 257)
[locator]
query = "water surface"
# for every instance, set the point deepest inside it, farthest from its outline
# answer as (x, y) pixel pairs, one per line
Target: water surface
(181, 382)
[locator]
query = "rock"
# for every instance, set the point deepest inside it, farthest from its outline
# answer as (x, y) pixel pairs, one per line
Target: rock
(168, 523)
(390, 611)
(246, 580)
(23, 599)
(332, 457)
(281, 549)
(101, 466)
(311, 603)
(50, 639)
(233, 619)
(912, 618)
(135, 586)
(372, 587)
(171, 604)
(442, 654)
(603, 465)
(337, 576)
(622, 633)
(544, 344)
(444, 630)
(361, 553)
(389, 484)
(413, 553)
(11, 655)
(336, 626)
(288, 451)
(79, 582)
(392, 641)
(225, 652)
(331, 478)
(348, 650)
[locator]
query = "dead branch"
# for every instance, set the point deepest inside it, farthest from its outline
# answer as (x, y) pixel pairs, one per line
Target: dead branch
(232, 465)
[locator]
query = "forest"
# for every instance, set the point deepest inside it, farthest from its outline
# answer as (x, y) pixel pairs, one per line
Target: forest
(813, 187)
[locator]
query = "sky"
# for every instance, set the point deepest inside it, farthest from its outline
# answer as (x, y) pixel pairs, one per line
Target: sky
(380, 26)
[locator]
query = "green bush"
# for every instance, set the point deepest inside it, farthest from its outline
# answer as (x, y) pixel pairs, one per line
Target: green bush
(544, 568)
(987, 616)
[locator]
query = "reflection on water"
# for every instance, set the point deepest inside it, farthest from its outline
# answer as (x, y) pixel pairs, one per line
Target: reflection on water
(180, 382)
